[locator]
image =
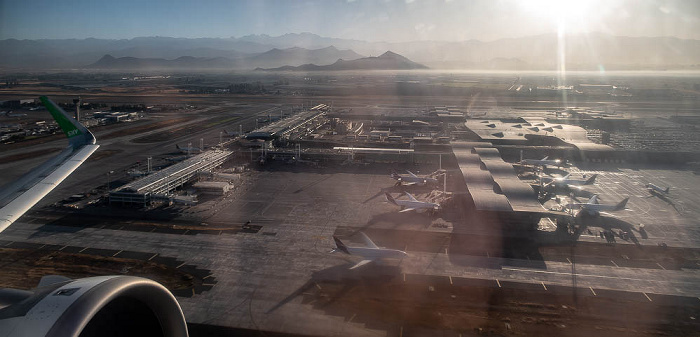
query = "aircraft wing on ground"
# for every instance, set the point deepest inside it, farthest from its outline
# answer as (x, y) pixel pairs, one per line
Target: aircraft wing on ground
(411, 197)
(18, 197)
(593, 200)
(361, 263)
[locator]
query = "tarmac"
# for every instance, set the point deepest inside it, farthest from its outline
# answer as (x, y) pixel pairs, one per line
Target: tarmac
(266, 278)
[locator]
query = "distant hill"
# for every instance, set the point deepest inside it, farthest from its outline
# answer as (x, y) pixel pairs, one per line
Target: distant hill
(272, 58)
(298, 56)
(386, 61)
(183, 62)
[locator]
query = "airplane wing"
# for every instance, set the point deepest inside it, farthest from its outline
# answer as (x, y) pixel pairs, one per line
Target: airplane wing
(361, 263)
(407, 210)
(593, 200)
(368, 241)
(18, 197)
(411, 173)
(411, 197)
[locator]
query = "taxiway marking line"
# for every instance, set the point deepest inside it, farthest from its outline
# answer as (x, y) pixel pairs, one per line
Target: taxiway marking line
(62, 248)
(151, 258)
(353, 316)
(579, 275)
(593, 291)
(543, 286)
(404, 277)
(181, 264)
(647, 296)
(613, 262)
(499, 283)
(317, 286)
(567, 259)
(117, 253)
(83, 250)
(450, 279)
(662, 267)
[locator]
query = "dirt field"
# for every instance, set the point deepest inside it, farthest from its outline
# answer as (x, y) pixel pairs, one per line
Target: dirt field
(23, 268)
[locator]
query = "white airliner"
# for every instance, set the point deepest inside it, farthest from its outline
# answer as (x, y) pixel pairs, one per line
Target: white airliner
(412, 179)
(412, 204)
(592, 207)
(567, 181)
(653, 188)
(16, 198)
(93, 306)
(369, 253)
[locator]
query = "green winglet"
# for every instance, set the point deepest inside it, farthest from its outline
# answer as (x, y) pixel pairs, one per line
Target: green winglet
(77, 134)
(61, 118)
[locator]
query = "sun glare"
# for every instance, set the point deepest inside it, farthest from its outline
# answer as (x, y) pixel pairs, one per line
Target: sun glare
(560, 11)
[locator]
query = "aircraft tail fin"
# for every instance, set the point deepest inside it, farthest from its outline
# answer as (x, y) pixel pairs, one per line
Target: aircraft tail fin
(368, 241)
(591, 180)
(339, 245)
(390, 199)
(77, 134)
(622, 204)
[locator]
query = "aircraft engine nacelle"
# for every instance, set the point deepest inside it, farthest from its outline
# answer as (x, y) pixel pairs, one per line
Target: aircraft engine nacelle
(94, 306)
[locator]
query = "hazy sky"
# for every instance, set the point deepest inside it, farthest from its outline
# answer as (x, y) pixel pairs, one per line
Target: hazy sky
(382, 20)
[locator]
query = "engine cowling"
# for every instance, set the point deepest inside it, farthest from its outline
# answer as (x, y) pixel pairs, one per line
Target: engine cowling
(94, 306)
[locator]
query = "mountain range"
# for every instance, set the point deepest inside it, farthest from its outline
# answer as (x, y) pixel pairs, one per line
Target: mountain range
(233, 60)
(386, 61)
(582, 52)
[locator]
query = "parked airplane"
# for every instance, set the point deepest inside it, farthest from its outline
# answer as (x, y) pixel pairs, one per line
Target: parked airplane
(412, 204)
(60, 306)
(369, 253)
(653, 188)
(188, 149)
(412, 179)
(566, 181)
(592, 207)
